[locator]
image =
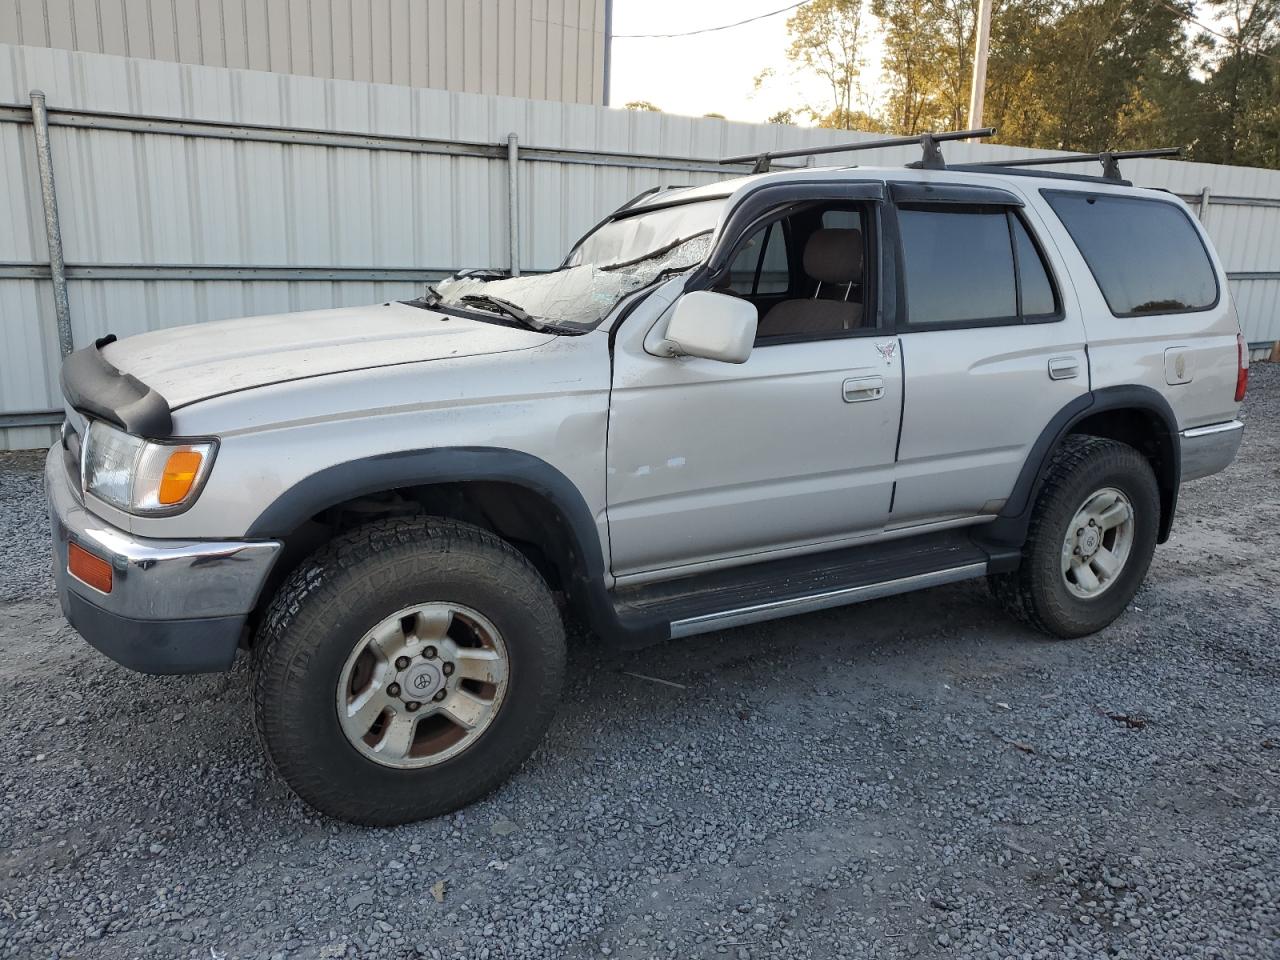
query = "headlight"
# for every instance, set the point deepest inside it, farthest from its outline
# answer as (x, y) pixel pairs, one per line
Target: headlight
(142, 476)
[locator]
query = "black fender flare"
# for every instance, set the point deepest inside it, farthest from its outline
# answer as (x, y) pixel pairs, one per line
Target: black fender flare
(1010, 526)
(411, 468)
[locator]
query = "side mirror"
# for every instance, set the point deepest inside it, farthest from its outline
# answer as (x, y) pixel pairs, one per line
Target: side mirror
(714, 326)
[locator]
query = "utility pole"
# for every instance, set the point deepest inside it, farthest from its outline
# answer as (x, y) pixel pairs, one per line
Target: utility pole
(981, 43)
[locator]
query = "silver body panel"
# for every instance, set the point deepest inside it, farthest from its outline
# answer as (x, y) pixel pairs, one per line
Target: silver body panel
(746, 458)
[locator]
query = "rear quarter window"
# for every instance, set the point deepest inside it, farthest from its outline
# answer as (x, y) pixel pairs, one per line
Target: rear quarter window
(1146, 255)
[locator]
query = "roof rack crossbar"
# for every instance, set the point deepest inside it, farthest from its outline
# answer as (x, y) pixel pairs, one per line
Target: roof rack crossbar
(1108, 159)
(928, 142)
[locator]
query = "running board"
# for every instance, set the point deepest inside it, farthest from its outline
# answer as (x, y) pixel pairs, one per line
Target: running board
(782, 588)
(821, 601)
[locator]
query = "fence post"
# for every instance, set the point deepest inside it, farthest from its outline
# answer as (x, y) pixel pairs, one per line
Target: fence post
(513, 201)
(1204, 204)
(53, 232)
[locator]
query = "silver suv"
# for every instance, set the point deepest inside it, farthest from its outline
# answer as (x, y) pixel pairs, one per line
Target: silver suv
(735, 402)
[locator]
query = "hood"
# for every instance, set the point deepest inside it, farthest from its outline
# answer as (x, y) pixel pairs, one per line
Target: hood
(186, 364)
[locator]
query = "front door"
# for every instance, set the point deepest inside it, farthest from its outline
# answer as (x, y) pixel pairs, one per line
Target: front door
(794, 448)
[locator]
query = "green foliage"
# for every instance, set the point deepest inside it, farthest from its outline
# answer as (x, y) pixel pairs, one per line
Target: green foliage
(642, 105)
(826, 38)
(1063, 74)
(1242, 91)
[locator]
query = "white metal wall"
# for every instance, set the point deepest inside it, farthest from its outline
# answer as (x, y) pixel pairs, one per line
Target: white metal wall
(545, 49)
(133, 200)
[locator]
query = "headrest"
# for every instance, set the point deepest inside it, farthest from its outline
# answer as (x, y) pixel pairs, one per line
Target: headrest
(834, 256)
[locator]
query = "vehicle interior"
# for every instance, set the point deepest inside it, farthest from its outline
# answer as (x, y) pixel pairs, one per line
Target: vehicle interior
(806, 271)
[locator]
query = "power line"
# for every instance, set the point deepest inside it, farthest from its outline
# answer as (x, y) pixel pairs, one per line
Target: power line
(723, 26)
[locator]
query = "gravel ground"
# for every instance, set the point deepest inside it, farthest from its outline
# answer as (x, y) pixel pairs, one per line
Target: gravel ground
(916, 776)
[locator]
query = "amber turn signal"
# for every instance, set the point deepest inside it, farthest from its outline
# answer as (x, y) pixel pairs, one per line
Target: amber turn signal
(87, 568)
(180, 472)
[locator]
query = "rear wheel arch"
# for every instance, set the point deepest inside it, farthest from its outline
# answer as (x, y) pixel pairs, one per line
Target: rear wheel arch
(1153, 435)
(1132, 414)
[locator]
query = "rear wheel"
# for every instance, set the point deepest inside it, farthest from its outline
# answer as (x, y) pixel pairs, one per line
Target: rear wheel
(407, 669)
(1091, 539)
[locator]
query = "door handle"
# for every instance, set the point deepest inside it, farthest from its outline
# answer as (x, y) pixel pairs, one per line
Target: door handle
(1063, 368)
(861, 389)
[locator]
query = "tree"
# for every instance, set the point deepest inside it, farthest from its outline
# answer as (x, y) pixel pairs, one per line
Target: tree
(642, 105)
(826, 36)
(782, 116)
(715, 116)
(1086, 75)
(911, 41)
(1242, 88)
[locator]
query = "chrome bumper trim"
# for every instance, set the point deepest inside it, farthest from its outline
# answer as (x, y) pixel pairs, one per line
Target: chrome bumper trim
(1209, 449)
(154, 579)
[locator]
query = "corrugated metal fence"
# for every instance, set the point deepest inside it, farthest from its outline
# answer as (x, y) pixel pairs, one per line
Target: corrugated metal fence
(190, 193)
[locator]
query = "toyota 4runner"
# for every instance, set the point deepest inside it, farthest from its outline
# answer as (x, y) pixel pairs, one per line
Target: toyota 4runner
(761, 397)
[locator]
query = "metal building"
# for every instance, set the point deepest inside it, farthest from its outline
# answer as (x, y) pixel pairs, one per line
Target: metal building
(539, 49)
(181, 193)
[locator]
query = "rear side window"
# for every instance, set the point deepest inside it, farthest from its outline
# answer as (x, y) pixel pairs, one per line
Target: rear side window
(1145, 254)
(1038, 298)
(968, 265)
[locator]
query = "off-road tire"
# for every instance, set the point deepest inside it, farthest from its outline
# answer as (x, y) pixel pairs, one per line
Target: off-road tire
(1036, 593)
(337, 595)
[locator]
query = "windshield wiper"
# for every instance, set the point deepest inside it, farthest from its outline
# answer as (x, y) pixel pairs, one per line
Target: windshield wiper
(430, 298)
(507, 308)
(503, 306)
(491, 304)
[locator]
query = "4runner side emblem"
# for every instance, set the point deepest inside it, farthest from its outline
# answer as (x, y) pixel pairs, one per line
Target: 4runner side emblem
(888, 349)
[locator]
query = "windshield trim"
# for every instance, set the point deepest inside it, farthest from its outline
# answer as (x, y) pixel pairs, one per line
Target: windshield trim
(642, 208)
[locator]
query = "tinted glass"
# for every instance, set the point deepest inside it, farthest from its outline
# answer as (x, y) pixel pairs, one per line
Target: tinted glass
(742, 272)
(1037, 290)
(1145, 254)
(775, 277)
(959, 264)
(842, 219)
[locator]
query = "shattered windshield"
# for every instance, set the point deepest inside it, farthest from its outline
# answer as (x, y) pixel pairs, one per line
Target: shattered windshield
(621, 256)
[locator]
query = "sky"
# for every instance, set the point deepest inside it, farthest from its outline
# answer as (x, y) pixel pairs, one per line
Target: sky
(711, 72)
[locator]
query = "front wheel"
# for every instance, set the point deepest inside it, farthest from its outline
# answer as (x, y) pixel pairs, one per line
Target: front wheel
(1092, 535)
(407, 669)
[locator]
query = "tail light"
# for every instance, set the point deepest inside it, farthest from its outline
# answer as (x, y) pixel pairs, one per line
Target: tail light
(1242, 367)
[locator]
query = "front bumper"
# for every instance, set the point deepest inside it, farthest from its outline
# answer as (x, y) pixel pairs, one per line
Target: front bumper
(175, 606)
(1206, 450)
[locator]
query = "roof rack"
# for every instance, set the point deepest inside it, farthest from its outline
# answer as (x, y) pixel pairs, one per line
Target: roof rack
(928, 142)
(1108, 159)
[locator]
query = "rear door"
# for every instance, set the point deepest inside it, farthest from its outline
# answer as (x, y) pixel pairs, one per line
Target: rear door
(993, 345)
(1158, 312)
